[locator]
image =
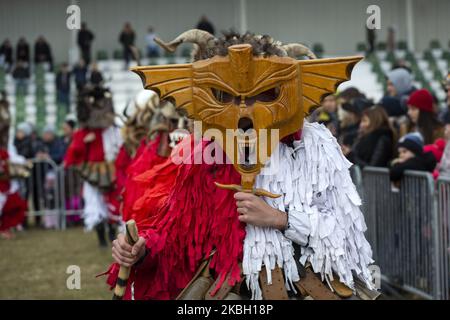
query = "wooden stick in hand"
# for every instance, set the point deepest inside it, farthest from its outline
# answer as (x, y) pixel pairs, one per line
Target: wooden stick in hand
(131, 233)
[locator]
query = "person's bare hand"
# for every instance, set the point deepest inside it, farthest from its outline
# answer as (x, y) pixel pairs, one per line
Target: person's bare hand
(125, 254)
(255, 211)
(89, 137)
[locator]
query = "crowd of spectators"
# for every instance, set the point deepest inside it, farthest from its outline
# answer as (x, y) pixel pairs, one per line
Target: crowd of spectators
(405, 130)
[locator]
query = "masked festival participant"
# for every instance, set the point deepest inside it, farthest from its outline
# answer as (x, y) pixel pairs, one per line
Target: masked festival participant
(149, 135)
(12, 165)
(92, 151)
(285, 219)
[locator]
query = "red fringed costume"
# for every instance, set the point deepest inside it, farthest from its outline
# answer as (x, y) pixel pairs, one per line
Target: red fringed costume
(182, 223)
(134, 183)
(12, 206)
(92, 161)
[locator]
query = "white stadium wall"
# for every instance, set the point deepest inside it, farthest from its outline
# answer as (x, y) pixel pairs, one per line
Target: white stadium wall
(338, 25)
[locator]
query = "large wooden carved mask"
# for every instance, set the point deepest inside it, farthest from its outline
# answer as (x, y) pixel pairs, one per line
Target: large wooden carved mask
(243, 91)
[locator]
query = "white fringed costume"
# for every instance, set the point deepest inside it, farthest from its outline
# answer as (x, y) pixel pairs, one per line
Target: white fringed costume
(324, 215)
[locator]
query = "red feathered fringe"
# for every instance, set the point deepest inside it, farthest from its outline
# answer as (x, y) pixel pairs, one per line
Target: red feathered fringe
(182, 223)
(13, 212)
(134, 187)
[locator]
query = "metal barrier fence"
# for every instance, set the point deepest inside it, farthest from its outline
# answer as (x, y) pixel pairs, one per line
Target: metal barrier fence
(408, 230)
(443, 205)
(53, 193)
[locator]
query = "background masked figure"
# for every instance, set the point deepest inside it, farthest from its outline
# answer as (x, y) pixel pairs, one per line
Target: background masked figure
(293, 228)
(148, 140)
(93, 150)
(12, 165)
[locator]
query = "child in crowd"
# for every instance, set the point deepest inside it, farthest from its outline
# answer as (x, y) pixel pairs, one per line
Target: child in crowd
(411, 157)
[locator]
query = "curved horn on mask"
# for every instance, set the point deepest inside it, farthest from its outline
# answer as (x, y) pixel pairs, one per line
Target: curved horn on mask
(196, 36)
(294, 50)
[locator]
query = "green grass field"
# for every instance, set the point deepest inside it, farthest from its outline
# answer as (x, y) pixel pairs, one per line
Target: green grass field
(34, 264)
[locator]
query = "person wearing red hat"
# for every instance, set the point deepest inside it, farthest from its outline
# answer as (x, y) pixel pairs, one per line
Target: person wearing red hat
(423, 119)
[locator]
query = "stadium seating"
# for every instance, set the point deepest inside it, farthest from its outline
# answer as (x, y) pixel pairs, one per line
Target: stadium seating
(39, 105)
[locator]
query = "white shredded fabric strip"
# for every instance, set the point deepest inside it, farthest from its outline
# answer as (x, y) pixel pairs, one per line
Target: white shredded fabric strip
(324, 215)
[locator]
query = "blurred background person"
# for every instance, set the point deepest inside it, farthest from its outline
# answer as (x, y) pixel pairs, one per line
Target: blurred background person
(43, 53)
(79, 73)
(6, 55)
(85, 37)
(126, 39)
(411, 157)
(327, 114)
(205, 25)
(22, 140)
(152, 47)
(96, 76)
(63, 86)
(398, 117)
(375, 143)
(423, 119)
(390, 41)
(51, 149)
(72, 180)
(400, 85)
(23, 51)
(371, 38)
(21, 75)
(349, 115)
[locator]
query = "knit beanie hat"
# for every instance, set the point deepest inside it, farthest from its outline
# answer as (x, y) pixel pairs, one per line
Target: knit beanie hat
(413, 142)
(401, 79)
(25, 127)
(49, 129)
(421, 99)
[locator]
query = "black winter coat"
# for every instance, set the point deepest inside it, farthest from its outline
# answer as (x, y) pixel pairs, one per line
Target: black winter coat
(373, 149)
(424, 162)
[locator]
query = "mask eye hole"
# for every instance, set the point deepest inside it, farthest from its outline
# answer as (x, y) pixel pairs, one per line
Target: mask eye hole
(222, 96)
(268, 95)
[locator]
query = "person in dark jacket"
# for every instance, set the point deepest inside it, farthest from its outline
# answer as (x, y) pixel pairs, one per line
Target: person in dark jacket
(51, 147)
(22, 140)
(63, 86)
(96, 77)
(411, 157)
(79, 73)
(375, 143)
(350, 117)
(43, 52)
(23, 51)
(400, 85)
(126, 39)
(21, 75)
(6, 55)
(84, 40)
(205, 25)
